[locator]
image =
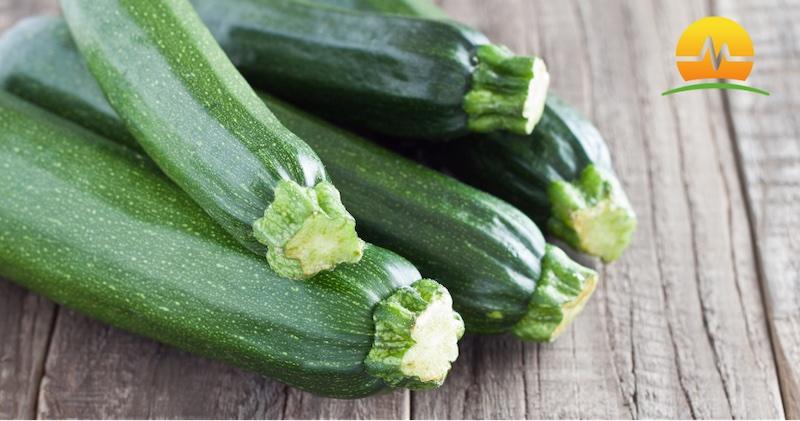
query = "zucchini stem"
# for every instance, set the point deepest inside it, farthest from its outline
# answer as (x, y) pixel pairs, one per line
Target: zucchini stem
(562, 290)
(592, 214)
(307, 230)
(416, 337)
(508, 91)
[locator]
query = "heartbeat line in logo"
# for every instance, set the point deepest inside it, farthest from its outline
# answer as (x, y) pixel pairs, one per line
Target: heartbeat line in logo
(716, 61)
(716, 58)
(714, 64)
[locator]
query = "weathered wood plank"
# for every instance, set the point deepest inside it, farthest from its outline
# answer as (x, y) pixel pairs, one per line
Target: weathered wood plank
(706, 282)
(767, 134)
(487, 382)
(302, 405)
(96, 371)
(25, 323)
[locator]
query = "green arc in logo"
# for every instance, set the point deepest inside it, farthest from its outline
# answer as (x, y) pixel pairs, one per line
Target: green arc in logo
(715, 85)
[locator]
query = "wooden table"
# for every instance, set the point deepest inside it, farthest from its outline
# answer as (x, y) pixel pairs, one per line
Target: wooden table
(700, 318)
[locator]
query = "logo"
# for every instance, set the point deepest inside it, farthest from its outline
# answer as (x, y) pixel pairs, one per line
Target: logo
(715, 48)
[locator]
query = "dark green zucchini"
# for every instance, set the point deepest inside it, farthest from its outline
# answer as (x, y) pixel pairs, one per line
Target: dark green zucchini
(414, 8)
(403, 76)
(561, 175)
(200, 121)
(93, 226)
(488, 254)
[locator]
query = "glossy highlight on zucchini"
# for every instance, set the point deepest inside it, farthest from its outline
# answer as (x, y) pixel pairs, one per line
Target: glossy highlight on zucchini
(561, 174)
(399, 75)
(93, 226)
(491, 257)
(200, 121)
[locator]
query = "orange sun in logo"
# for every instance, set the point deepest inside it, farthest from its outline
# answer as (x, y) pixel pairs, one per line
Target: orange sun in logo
(715, 48)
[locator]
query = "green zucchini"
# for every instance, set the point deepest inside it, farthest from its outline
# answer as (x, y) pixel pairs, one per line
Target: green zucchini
(203, 125)
(403, 76)
(561, 174)
(414, 8)
(491, 257)
(93, 226)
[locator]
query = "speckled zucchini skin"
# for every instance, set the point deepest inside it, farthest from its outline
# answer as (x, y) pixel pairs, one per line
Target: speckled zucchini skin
(93, 226)
(422, 8)
(397, 75)
(484, 251)
(523, 169)
(190, 109)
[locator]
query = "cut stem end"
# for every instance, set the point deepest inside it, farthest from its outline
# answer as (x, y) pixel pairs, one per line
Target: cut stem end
(307, 230)
(416, 337)
(592, 214)
(508, 92)
(562, 290)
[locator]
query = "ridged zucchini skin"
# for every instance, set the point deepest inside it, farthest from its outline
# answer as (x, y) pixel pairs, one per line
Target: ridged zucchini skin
(402, 76)
(521, 168)
(92, 225)
(199, 120)
(558, 174)
(484, 251)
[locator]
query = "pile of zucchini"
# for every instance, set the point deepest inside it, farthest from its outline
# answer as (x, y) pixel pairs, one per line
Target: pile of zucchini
(146, 181)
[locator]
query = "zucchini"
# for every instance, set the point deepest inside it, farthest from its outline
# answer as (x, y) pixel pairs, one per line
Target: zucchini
(561, 175)
(403, 76)
(200, 121)
(93, 226)
(491, 257)
(418, 8)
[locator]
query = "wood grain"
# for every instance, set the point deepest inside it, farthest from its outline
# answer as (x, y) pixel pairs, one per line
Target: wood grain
(694, 352)
(766, 131)
(25, 324)
(678, 327)
(487, 383)
(96, 371)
